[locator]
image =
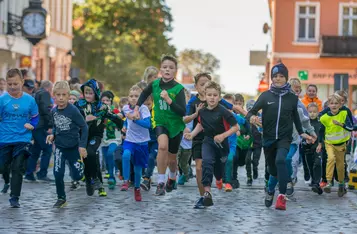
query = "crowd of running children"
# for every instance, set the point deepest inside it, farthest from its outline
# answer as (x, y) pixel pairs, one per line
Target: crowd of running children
(161, 124)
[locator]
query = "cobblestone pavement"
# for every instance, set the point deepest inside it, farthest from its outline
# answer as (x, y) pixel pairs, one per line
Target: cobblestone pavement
(241, 211)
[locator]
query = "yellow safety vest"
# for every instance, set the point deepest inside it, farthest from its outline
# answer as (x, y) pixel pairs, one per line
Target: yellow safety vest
(335, 134)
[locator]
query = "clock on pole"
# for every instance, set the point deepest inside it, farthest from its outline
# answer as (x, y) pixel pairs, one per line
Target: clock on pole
(35, 22)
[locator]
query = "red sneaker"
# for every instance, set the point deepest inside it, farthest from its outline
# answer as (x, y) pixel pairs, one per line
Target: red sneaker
(137, 194)
(281, 202)
(125, 186)
(219, 184)
(323, 184)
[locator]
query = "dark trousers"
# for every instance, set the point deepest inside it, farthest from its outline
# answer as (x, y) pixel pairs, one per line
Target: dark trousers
(323, 164)
(75, 164)
(314, 164)
(252, 158)
(213, 162)
(238, 161)
(91, 162)
(39, 135)
(276, 157)
(13, 158)
(307, 175)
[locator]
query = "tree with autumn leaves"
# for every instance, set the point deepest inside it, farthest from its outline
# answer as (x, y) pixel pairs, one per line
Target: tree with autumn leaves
(115, 40)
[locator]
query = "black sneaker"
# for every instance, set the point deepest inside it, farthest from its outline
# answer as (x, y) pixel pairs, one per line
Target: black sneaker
(307, 177)
(249, 181)
(269, 197)
(190, 173)
(89, 187)
(341, 190)
(14, 202)
(255, 173)
(45, 179)
(290, 189)
(207, 199)
(235, 184)
(30, 178)
(97, 184)
(199, 204)
(170, 185)
(146, 184)
(75, 185)
(160, 190)
(60, 203)
(317, 189)
(5, 189)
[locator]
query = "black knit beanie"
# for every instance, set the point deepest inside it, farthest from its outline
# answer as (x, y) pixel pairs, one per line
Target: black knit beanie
(280, 68)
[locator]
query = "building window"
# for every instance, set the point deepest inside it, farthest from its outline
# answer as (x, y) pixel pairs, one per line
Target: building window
(349, 20)
(307, 22)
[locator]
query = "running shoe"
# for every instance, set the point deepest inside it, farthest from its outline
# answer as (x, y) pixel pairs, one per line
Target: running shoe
(269, 197)
(30, 178)
(60, 203)
(182, 180)
(102, 192)
(290, 189)
(14, 202)
(160, 190)
(90, 187)
(219, 184)
(323, 184)
(281, 202)
(327, 188)
(111, 183)
(228, 187)
(106, 176)
(137, 194)
(249, 181)
(75, 185)
(146, 184)
(199, 204)
(317, 189)
(235, 184)
(5, 189)
(125, 186)
(207, 199)
(170, 185)
(341, 190)
(97, 184)
(255, 173)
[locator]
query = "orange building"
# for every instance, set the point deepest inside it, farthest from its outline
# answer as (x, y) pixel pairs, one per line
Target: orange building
(317, 41)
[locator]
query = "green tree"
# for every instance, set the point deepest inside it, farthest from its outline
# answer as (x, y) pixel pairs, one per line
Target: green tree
(195, 61)
(115, 40)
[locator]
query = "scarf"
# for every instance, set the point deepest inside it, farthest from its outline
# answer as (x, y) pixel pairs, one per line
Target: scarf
(280, 91)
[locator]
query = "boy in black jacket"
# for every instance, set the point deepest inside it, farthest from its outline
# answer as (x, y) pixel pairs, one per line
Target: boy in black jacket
(279, 112)
(313, 159)
(94, 112)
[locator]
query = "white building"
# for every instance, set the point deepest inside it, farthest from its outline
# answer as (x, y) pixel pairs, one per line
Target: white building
(50, 58)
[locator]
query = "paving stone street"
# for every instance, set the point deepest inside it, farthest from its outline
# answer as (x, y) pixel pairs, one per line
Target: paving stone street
(241, 211)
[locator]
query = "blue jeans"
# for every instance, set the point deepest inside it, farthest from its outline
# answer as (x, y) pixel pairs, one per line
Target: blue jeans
(108, 153)
(39, 135)
(153, 146)
(289, 157)
(75, 164)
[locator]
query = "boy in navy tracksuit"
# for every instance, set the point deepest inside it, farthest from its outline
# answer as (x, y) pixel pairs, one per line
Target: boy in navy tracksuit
(70, 133)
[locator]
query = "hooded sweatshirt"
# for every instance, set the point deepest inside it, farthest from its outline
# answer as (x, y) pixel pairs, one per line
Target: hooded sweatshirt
(305, 122)
(98, 109)
(306, 100)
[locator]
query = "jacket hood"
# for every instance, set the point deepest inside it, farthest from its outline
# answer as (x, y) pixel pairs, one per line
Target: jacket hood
(93, 84)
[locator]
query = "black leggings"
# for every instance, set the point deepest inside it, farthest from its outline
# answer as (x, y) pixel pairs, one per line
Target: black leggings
(91, 162)
(314, 164)
(276, 158)
(238, 161)
(255, 152)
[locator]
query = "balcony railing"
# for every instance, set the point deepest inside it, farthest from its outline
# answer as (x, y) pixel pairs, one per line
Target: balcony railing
(338, 46)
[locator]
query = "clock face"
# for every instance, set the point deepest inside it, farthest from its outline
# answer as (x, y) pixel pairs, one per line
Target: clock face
(34, 24)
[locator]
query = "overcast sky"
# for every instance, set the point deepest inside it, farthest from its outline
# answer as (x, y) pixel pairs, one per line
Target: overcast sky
(228, 29)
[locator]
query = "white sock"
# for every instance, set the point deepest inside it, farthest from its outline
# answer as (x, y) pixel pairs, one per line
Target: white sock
(172, 175)
(161, 178)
